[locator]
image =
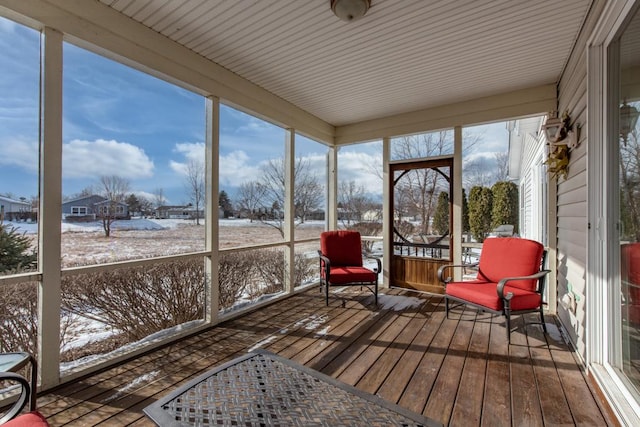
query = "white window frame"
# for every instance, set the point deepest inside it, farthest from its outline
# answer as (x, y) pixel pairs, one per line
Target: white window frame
(79, 210)
(603, 302)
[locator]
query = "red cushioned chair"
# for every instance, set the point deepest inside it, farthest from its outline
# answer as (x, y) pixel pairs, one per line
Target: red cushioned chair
(630, 274)
(29, 419)
(341, 262)
(510, 279)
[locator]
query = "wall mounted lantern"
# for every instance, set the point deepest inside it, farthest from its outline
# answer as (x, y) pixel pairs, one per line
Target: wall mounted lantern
(555, 129)
(628, 120)
(561, 138)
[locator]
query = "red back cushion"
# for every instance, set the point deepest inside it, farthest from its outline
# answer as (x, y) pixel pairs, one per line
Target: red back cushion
(342, 247)
(509, 257)
(630, 269)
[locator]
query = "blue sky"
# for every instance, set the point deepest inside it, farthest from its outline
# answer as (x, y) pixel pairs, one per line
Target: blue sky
(121, 121)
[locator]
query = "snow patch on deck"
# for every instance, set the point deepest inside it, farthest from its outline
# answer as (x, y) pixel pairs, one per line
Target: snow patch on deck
(398, 302)
(262, 343)
(146, 378)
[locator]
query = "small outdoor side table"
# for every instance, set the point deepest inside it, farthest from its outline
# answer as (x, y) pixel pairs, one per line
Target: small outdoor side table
(264, 389)
(13, 362)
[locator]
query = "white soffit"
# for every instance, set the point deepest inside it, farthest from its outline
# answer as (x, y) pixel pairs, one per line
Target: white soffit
(403, 55)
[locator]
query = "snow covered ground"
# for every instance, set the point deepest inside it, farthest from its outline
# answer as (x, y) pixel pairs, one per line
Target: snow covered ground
(148, 224)
(139, 238)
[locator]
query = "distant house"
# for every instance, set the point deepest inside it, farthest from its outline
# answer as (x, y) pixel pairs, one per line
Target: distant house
(178, 212)
(13, 210)
(89, 208)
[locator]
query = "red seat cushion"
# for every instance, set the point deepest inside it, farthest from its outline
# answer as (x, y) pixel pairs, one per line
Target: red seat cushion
(510, 257)
(344, 275)
(31, 419)
(342, 247)
(486, 295)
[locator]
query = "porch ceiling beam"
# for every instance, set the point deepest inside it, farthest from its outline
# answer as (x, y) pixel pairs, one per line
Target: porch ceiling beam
(105, 28)
(520, 103)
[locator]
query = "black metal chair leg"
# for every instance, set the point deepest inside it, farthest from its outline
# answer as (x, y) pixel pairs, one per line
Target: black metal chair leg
(544, 325)
(326, 291)
(507, 315)
(376, 293)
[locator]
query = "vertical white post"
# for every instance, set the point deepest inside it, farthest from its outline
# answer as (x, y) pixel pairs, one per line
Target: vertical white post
(332, 188)
(387, 221)
(456, 174)
(289, 208)
(50, 210)
(212, 226)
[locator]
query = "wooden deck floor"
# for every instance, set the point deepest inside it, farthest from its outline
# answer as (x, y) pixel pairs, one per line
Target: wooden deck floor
(458, 371)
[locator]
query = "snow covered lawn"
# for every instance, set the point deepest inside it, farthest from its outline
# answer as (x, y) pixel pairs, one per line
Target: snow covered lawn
(85, 244)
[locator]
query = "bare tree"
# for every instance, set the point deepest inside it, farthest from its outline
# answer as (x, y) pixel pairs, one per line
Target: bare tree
(420, 187)
(502, 166)
(477, 173)
(114, 189)
(630, 186)
(250, 197)
(194, 182)
(85, 192)
(158, 197)
(354, 202)
(307, 193)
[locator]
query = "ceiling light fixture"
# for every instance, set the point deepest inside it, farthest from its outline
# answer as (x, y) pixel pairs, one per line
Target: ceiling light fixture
(350, 10)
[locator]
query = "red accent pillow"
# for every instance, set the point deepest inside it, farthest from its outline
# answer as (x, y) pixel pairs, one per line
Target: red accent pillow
(510, 257)
(342, 247)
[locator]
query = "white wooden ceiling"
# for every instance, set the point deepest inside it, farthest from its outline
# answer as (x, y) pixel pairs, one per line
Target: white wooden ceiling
(403, 55)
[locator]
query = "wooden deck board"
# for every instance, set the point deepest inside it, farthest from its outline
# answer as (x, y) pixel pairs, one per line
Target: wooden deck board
(525, 404)
(395, 384)
(374, 348)
(555, 409)
(443, 394)
(460, 370)
(421, 383)
(374, 377)
(496, 404)
(467, 409)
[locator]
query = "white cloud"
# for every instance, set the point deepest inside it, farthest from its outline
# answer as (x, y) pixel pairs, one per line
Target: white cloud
(235, 169)
(191, 151)
(101, 157)
(21, 152)
(177, 167)
(483, 157)
(361, 168)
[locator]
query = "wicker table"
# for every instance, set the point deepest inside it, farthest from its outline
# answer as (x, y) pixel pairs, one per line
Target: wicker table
(263, 389)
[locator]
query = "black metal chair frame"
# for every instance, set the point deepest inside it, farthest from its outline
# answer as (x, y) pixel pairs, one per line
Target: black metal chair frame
(505, 297)
(23, 398)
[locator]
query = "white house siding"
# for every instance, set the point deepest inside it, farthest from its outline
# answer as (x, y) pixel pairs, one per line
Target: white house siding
(532, 181)
(525, 204)
(571, 214)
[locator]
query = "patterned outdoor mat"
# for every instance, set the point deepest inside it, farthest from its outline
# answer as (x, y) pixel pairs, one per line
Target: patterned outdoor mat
(263, 389)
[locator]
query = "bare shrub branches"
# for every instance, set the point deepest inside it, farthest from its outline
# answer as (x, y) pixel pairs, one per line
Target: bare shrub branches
(139, 301)
(136, 302)
(18, 317)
